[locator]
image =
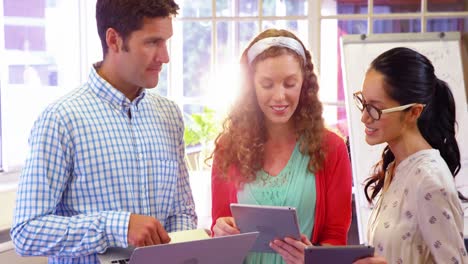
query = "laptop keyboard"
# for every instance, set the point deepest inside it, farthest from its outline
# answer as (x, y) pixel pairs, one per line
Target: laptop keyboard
(121, 261)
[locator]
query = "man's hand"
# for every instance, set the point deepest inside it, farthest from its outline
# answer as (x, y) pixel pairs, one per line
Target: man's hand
(146, 231)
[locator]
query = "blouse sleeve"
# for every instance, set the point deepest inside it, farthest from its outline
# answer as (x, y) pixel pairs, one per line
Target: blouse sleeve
(440, 218)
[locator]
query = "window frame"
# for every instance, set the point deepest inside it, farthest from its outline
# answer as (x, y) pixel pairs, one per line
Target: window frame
(90, 49)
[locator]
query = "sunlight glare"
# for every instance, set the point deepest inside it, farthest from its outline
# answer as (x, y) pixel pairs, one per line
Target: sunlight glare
(223, 87)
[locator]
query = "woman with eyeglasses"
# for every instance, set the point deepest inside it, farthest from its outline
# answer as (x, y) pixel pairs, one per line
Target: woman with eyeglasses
(417, 217)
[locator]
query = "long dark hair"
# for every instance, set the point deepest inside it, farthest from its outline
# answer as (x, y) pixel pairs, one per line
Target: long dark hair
(409, 78)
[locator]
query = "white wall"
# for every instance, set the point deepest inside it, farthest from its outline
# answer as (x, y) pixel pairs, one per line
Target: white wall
(7, 198)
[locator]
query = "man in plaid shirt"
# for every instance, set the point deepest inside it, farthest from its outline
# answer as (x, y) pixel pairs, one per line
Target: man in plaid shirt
(106, 163)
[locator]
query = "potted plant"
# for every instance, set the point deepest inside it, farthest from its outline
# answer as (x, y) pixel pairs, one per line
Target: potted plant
(201, 130)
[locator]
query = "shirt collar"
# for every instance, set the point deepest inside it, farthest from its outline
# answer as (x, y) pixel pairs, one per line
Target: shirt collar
(109, 93)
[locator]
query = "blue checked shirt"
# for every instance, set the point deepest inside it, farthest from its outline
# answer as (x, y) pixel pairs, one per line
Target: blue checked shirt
(90, 165)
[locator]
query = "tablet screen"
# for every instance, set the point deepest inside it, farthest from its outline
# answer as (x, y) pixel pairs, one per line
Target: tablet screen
(273, 222)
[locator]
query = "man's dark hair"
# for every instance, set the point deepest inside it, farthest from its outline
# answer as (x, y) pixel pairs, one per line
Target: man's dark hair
(126, 16)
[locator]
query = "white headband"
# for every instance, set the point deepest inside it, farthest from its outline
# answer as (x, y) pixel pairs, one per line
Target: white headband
(266, 43)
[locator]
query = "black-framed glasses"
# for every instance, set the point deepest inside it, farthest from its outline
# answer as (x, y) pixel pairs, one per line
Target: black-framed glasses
(374, 112)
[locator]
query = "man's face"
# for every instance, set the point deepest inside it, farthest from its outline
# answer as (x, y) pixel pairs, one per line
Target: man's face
(141, 58)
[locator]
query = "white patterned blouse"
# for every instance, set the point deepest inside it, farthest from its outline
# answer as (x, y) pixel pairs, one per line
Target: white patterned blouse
(419, 218)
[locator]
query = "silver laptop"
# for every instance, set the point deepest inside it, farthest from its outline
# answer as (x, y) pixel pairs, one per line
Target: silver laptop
(227, 249)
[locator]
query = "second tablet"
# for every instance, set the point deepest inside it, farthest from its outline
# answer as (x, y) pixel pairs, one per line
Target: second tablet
(273, 222)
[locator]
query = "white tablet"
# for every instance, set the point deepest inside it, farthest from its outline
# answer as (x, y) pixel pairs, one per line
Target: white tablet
(273, 222)
(337, 254)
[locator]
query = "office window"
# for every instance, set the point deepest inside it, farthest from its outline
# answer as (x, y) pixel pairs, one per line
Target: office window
(397, 6)
(196, 58)
(397, 26)
(284, 7)
(43, 57)
(447, 6)
(342, 7)
(207, 45)
(447, 24)
(40, 62)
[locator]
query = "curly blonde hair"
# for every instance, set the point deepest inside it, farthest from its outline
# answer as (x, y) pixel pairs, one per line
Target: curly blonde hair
(241, 142)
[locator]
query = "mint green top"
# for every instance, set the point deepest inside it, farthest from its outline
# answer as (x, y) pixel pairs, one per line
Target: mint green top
(294, 186)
